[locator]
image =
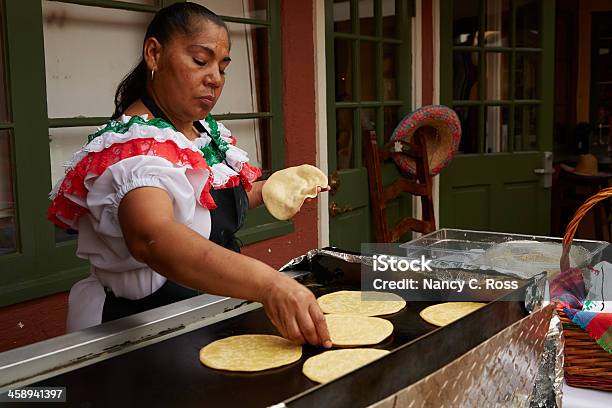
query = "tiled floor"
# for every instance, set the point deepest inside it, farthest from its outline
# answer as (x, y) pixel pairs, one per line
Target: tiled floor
(33, 321)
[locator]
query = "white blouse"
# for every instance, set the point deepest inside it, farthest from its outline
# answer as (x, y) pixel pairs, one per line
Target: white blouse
(100, 237)
(101, 240)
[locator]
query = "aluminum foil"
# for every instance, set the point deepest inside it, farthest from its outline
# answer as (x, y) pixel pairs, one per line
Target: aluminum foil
(366, 260)
(547, 391)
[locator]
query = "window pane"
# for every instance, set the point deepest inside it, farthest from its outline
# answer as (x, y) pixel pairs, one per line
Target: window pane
(253, 136)
(344, 76)
(63, 143)
(528, 21)
(527, 68)
(8, 214)
(391, 121)
(390, 70)
(88, 50)
(465, 22)
(368, 122)
(602, 134)
(525, 127)
(4, 110)
(601, 86)
(247, 84)
(603, 35)
(389, 23)
(497, 23)
(605, 59)
(368, 119)
(368, 70)
(469, 118)
(367, 22)
(497, 76)
(465, 75)
(342, 16)
(256, 9)
(496, 129)
(344, 138)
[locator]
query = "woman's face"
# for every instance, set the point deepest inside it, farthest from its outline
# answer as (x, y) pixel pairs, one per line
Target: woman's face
(190, 72)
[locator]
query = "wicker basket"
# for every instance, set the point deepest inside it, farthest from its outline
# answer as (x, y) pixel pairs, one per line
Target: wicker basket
(586, 364)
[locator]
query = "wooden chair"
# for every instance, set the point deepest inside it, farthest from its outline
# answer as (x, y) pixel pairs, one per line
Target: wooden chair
(380, 196)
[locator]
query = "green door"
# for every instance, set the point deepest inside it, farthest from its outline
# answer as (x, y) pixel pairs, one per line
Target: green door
(499, 80)
(368, 88)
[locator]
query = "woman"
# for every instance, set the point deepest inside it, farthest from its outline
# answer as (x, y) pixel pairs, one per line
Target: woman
(158, 193)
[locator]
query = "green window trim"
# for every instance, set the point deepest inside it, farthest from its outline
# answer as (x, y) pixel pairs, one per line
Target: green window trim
(41, 266)
(545, 82)
(404, 9)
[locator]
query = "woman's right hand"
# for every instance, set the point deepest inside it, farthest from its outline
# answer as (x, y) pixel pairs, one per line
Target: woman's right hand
(294, 310)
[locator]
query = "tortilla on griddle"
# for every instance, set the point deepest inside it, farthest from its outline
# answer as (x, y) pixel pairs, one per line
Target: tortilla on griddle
(250, 352)
(356, 330)
(330, 365)
(361, 303)
(446, 313)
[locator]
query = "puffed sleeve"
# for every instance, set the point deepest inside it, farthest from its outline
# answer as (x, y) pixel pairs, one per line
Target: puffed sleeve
(107, 191)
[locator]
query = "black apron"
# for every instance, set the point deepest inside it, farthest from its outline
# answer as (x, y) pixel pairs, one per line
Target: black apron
(226, 220)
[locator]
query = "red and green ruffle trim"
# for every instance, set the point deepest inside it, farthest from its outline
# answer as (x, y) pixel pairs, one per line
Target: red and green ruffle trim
(64, 209)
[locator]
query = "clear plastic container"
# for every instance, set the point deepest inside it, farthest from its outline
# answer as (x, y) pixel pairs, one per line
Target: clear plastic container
(515, 254)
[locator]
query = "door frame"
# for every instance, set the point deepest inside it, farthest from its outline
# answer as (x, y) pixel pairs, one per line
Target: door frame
(321, 112)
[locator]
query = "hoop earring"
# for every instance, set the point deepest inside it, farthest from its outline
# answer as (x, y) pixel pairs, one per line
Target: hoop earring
(152, 74)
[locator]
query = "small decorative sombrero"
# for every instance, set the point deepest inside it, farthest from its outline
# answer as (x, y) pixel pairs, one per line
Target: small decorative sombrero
(441, 146)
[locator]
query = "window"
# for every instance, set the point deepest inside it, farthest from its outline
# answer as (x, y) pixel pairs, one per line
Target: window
(8, 213)
(88, 50)
(496, 68)
(601, 78)
(245, 105)
(370, 42)
(84, 48)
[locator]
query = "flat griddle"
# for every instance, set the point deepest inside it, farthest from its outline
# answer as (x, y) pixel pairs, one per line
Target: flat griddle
(169, 373)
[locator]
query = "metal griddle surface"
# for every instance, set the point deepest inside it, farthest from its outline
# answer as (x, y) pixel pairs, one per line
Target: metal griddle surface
(169, 373)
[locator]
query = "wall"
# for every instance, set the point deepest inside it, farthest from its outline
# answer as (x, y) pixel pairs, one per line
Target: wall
(586, 7)
(300, 127)
(426, 72)
(44, 318)
(427, 52)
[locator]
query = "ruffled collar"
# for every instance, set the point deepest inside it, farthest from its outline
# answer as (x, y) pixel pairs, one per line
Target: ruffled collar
(131, 136)
(229, 163)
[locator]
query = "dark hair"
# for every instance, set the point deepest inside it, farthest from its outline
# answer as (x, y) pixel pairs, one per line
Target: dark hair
(176, 18)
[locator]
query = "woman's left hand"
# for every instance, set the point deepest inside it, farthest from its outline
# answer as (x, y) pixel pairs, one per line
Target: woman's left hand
(254, 196)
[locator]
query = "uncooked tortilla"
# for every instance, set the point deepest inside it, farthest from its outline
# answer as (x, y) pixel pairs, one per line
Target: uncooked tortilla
(330, 365)
(250, 352)
(445, 313)
(356, 330)
(361, 303)
(285, 191)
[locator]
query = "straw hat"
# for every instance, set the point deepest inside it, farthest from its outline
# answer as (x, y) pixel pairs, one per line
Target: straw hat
(586, 165)
(442, 141)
